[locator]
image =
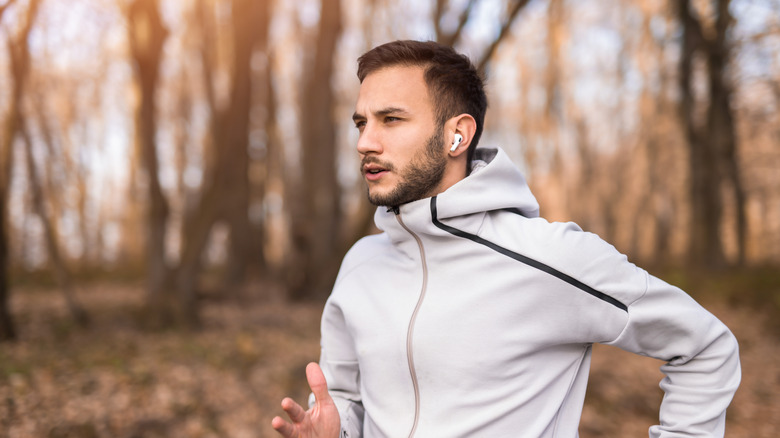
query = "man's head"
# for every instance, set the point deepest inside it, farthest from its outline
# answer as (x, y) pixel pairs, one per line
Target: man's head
(453, 82)
(416, 101)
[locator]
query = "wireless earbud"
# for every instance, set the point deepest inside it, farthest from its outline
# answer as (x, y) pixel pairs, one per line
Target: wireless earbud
(456, 142)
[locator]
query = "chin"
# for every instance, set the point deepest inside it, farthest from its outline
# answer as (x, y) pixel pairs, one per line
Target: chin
(380, 198)
(377, 200)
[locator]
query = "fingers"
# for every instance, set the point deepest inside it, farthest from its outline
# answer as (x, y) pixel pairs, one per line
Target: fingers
(317, 383)
(284, 428)
(294, 410)
(296, 414)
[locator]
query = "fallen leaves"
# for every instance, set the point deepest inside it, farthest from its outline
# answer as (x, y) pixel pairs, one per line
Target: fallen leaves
(120, 380)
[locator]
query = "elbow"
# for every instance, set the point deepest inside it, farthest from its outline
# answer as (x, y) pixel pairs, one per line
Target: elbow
(733, 364)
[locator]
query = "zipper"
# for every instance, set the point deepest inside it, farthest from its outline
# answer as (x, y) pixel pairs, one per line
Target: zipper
(412, 320)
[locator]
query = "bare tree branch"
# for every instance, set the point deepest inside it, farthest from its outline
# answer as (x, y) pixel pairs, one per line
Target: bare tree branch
(437, 14)
(207, 59)
(61, 271)
(519, 4)
(19, 62)
(452, 38)
(757, 37)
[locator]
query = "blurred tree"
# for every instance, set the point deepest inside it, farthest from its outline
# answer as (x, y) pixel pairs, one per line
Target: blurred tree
(224, 192)
(61, 271)
(514, 8)
(582, 94)
(57, 175)
(711, 141)
(271, 234)
(655, 206)
(7, 330)
(316, 202)
(19, 51)
(721, 120)
(147, 34)
(450, 38)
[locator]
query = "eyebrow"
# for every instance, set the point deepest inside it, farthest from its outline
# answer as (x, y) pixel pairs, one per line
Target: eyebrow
(379, 113)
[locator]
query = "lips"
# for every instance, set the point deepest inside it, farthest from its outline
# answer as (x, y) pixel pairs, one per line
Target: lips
(373, 170)
(374, 173)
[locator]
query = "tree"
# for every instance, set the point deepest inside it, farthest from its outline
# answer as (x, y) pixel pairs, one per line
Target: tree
(147, 35)
(62, 273)
(18, 49)
(225, 191)
(451, 38)
(712, 141)
(316, 206)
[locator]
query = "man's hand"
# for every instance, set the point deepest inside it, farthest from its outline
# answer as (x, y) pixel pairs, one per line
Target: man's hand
(321, 421)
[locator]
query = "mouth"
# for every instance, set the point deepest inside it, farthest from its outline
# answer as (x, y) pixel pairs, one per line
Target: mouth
(373, 171)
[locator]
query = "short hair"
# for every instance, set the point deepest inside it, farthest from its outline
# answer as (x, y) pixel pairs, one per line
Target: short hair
(455, 85)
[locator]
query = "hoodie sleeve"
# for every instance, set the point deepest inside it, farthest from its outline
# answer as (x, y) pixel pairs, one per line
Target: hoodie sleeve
(702, 359)
(339, 363)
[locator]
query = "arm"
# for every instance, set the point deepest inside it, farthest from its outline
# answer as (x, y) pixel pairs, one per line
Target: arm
(339, 363)
(702, 369)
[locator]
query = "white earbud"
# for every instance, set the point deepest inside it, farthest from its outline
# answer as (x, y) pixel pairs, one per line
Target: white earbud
(456, 142)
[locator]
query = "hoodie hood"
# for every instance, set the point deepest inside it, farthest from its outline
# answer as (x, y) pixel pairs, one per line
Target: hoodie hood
(495, 183)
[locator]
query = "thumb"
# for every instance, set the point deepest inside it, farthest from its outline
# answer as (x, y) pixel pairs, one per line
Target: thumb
(317, 383)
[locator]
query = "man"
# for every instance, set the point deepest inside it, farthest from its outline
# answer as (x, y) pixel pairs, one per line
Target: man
(470, 315)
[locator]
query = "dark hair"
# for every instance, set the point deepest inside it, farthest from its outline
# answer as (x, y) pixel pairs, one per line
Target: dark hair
(455, 85)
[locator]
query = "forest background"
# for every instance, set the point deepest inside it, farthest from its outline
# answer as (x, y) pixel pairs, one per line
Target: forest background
(178, 184)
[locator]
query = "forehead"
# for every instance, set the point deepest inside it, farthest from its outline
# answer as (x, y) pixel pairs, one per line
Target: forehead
(396, 86)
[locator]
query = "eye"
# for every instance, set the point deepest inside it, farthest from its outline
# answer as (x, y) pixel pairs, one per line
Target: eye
(360, 124)
(391, 119)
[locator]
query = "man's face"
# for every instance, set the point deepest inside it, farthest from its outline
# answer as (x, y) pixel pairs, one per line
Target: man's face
(401, 145)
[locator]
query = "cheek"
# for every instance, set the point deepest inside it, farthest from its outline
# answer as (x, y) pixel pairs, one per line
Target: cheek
(408, 142)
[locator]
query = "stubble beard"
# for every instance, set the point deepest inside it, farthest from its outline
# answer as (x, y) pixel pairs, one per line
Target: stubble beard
(420, 178)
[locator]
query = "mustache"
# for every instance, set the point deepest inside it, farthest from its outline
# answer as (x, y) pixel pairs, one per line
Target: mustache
(369, 159)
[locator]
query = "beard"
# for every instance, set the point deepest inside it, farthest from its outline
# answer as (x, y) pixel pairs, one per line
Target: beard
(420, 177)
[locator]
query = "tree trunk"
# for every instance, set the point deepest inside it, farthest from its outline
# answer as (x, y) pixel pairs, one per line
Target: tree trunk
(18, 50)
(705, 247)
(720, 119)
(7, 328)
(317, 215)
(274, 189)
(713, 143)
(195, 236)
(225, 193)
(147, 36)
(251, 21)
(62, 274)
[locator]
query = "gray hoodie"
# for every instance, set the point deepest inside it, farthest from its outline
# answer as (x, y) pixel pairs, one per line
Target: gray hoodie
(471, 316)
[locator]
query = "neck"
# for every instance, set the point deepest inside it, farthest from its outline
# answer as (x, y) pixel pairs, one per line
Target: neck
(456, 171)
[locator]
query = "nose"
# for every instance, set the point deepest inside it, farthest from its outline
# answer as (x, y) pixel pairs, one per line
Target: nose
(369, 140)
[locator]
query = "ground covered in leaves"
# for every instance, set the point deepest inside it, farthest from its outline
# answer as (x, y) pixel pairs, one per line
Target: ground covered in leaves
(117, 379)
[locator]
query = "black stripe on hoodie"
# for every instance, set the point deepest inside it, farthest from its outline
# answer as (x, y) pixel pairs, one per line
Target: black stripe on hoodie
(523, 259)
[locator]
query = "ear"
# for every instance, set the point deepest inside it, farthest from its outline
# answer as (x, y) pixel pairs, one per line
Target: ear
(466, 126)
